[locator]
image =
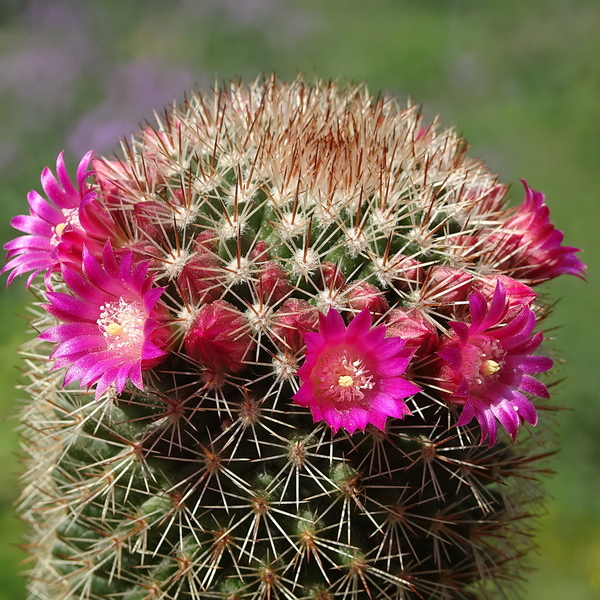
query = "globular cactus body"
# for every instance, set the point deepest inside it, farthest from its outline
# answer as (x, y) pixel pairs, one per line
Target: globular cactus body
(282, 340)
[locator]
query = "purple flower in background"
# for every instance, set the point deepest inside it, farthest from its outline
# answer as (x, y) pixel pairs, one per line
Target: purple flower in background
(352, 377)
(42, 63)
(137, 88)
(113, 328)
(244, 11)
(488, 363)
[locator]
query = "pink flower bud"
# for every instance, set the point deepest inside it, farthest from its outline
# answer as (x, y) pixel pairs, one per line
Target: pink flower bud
(140, 252)
(157, 142)
(487, 199)
(466, 248)
(291, 321)
(412, 326)
(219, 338)
(447, 286)
(153, 218)
(116, 178)
(198, 281)
(159, 146)
(422, 133)
(273, 282)
(207, 240)
(517, 293)
(113, 178)
(260, 252)
(406, 272)
(330, 276)
(363, 296)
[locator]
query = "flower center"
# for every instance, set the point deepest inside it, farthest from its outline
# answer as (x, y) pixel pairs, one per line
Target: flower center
(484, 360)
(71, 216)
(345, 381)
(342, 377)
(114, 329)
(489, 367)
(122, 325)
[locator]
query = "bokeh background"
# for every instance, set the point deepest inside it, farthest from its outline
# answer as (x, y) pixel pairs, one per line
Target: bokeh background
(519, 78)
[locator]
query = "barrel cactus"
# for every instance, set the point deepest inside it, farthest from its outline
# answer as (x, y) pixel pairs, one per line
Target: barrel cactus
(287, 346)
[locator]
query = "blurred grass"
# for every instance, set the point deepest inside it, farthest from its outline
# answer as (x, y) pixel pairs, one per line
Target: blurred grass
(11, 530)
(521, 78)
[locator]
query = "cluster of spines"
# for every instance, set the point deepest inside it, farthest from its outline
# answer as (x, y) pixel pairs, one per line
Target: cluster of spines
(268, 204)
(131, 501)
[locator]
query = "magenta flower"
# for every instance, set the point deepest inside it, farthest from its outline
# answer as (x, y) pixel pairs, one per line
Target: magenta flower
(533, 250)
(113, 328)
(352, 376)
(488, 363)
(48, 221)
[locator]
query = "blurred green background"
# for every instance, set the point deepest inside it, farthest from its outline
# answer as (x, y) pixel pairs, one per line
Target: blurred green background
(520, 78)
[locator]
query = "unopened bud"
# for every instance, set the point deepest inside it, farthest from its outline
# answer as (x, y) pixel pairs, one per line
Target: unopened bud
(260, 253)
(291, 321)
(153, 218)
(219, 339)
(446, 287)
(141, 252)
(329, 276)
(363, 296)
(273, 281)
(412, 326)
(198, 279)
(517, 294)
(207, 240)
(406, 272)
(113, 178)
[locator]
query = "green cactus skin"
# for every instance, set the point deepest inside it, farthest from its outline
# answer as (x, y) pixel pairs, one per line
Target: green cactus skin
(214, 485)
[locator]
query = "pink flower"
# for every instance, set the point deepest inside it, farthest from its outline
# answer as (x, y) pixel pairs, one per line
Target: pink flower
(352, 376)
(532, 250)
(113, 328)
(488, 363)
(517, 293)
(57, 229)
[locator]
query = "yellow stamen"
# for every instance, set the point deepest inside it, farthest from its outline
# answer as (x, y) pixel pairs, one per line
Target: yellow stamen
(60, 228)
(345, 381)
(489, 367)
(114, 329)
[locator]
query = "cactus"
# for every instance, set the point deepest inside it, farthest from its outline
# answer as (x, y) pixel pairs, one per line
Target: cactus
(286, 345)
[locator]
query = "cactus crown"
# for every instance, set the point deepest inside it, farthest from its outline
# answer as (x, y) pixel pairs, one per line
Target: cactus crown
(301, 311)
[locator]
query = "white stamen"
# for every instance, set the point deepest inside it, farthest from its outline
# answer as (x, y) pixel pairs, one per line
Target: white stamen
(122, 324)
